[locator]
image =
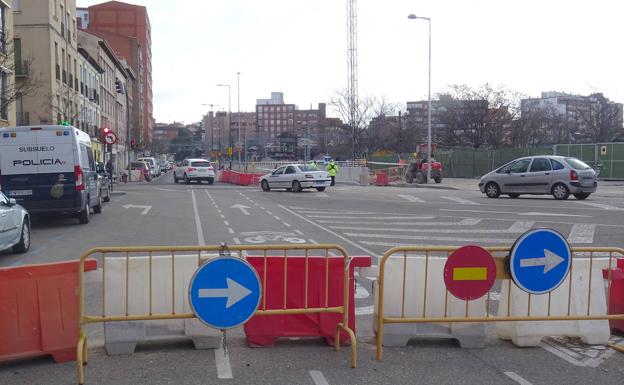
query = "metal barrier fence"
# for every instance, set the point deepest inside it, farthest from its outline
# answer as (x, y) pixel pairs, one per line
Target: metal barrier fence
(594, 255)
(268, 251)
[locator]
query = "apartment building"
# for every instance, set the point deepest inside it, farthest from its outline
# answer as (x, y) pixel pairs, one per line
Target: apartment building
(7, 66)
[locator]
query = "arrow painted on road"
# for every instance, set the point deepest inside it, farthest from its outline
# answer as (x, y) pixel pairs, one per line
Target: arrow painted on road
(234, 292)
(549, 261)
(146, 209)
(242, 208)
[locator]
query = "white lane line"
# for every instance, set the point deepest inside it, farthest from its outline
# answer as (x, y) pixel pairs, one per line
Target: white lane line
(198, 226)
(582, 233)
(367, 251)
(261, 208)
(222, 216)
(318, 377)
(412, 198)
(321, 195)
(299, 232)
(517, 213)
(270, 213)
(316, 243)
(365, 310)
(226, 223)
(230, 230)
(328, 211)
(521, 226)
(371, 218)
(517, 378)
(518, 227)
(224, 370)
(237, 241)
(429, 238)
(602, 206)
(463, 222)
(276, 217)
(286, 224)
(219, 211)
(460, 200)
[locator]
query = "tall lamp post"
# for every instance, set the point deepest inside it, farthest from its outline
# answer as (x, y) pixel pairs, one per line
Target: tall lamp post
(414, 17)
(229, 116)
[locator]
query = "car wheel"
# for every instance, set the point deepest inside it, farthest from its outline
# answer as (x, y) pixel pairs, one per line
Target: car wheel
(198, 181)
(97, 209)
(320, 189)
(409, 177)
(83, 215)
(560, 191)
(296, 186)
(210, 180)
(492, 190)
(438, 179)
(24, 242)
(186, 179)
(514, 196)
(265, 186)
(108, 194)
(420, 178)
(582, 196)
(175, 178)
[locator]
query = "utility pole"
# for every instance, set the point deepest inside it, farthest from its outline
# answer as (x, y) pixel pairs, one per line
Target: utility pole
(352, 86)
(239, 121)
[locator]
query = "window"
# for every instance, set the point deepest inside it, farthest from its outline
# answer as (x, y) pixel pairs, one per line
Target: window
(279, 171)
(17, 5)
(520, 166)
(56, 62)
(17, 56)
(290, 170)
(3, 32)
(556, 165)
(577, 164)
(540, 164)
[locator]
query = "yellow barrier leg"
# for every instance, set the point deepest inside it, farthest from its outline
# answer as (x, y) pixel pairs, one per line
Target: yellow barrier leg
(353, 342)
(85, 351)
(79, 359)
(616, 347)
(337, 337)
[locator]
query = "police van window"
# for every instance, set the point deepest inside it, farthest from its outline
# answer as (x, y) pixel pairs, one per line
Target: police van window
(91, 158)
(84, 157)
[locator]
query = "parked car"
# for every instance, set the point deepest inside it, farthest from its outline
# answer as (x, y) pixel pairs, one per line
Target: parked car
(162, 164)
(143, 167)
(14, 225)
(558, 176)
(106, 187)
(153, 164)
(194, 169)
(296, 177)
(50, 169)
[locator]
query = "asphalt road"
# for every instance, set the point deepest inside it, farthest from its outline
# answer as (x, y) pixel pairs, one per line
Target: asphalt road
(366, 221)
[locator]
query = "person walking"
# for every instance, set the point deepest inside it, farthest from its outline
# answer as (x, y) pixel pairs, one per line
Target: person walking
(332, 168)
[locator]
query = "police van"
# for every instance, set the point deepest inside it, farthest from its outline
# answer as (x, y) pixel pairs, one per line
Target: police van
(50, 169)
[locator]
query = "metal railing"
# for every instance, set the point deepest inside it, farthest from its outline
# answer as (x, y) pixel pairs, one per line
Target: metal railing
(499, 254)
(267, 251)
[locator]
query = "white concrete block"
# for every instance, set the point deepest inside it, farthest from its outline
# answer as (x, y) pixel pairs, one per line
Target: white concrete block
(530, 333)
(416, 304)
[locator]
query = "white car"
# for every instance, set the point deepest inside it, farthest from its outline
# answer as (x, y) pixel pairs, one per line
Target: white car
(153, 164)
(194, 169)
(296, 177)
(14, 226)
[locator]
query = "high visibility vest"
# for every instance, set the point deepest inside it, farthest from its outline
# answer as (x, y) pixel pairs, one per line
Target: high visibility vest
(332, 168)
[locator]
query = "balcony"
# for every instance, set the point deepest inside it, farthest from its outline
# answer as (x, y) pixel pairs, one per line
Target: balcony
(22, 69)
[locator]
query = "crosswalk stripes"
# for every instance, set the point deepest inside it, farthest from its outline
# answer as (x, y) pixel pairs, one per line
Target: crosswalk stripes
(412, 198)
(602, 206)
(460, 200)
(582, 233)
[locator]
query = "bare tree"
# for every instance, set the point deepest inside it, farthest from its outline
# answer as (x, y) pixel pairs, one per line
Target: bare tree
(26, 81)
(340, 103)
(598, 118)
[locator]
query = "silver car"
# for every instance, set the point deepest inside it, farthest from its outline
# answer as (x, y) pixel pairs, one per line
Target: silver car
(541, 175)
(14, 226)
(296, 177)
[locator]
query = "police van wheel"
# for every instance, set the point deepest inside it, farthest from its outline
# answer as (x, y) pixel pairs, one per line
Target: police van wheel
(108, 194)
(320, 189)
(83, 215)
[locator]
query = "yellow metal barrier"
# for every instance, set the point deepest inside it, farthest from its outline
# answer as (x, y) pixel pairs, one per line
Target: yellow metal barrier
(105, 252)
(499, 254)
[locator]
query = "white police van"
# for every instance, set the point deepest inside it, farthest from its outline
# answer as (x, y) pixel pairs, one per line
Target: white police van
(49, 169)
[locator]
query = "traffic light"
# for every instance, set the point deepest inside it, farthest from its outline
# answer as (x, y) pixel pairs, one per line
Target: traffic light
(105, 130)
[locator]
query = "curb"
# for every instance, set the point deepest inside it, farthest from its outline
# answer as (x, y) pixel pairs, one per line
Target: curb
(118, 193)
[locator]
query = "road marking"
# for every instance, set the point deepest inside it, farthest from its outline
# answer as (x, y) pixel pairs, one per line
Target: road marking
(321, 195)
(429, 238)
(318, 377)
(328, 211)
(517, 378)
(198, 226)
(261, 208)
(166, 189)
(337, 215)
(577, 355)
(460, 200)
(226, 223)
(298, 232)
(242, 208)
(219, 211)
(224, 370)
(365, 310)
(276, 217)
(361, 292)
(517, 227)
(237, 241)
(517, 213)
(603, 206)
(146, 209)
(222, 216)
(521, 226)
(582, 233)
(230, 230)
(412, 198)
(367, 251)
(286, 224)
(270, 213)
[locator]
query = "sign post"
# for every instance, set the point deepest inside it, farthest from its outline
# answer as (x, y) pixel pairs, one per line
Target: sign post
(225, 292)
(540, 261)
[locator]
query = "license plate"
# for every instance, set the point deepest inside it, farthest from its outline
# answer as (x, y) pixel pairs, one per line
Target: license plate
(19, 193)
(202, 170)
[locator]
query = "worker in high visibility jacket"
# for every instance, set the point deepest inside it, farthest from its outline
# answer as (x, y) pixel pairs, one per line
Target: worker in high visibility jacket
(332, 168)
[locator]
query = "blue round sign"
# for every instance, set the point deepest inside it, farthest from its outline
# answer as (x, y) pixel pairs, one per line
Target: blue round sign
(540, 260)
(225, 292)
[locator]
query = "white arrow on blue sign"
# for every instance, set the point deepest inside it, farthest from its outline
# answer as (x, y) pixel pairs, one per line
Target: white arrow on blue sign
(225, 292)
(540, 260)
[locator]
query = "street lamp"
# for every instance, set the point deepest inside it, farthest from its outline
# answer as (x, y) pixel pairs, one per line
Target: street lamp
(414, 17)
(229, 115)
(239, 118)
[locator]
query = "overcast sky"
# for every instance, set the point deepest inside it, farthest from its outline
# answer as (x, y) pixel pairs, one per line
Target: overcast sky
(299, 47)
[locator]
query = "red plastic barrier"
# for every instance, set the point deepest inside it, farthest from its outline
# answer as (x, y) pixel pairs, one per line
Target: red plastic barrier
(39, 310)
(616, 298)
(263, 330)
(382, 179)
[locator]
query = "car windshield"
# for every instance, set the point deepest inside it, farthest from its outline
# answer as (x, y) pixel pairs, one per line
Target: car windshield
(307, 167)
(200, 164)
(577, 164)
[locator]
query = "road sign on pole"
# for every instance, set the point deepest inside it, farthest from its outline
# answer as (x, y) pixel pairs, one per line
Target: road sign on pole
(540, 260)
(225, 292)
(469, 272)
(110, 138)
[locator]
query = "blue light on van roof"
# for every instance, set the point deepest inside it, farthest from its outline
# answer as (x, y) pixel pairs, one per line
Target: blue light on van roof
(65, 133)
(5, 134)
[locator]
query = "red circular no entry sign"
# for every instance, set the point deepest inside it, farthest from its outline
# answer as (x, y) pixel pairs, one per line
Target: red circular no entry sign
(469, 272)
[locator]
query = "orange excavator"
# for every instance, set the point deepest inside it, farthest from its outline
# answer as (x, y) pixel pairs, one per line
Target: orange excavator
(416, 171)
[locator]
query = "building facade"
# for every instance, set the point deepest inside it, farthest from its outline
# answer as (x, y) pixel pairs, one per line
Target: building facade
(127, 27)
(273, 117)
